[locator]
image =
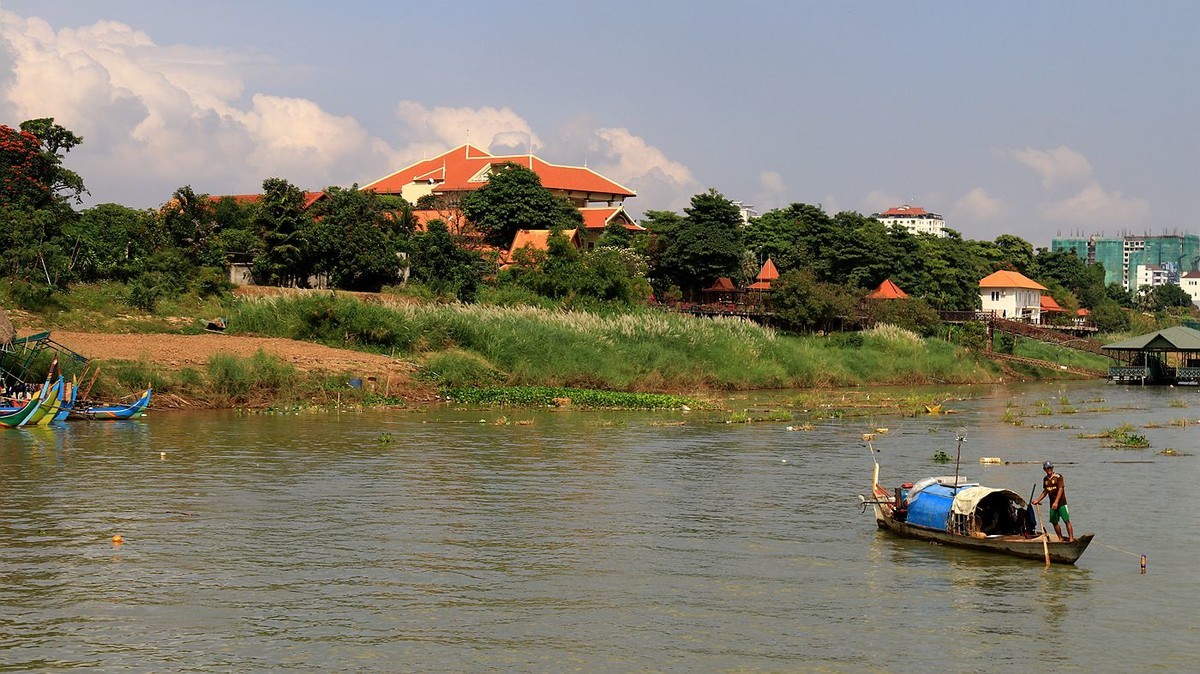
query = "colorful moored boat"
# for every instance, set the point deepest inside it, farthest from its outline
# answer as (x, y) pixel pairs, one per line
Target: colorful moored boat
(114, 412)
(20, 415)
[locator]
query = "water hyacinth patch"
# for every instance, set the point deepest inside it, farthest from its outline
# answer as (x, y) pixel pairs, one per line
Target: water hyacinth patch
(530, 396)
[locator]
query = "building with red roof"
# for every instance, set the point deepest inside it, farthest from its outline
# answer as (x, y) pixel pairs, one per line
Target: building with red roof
(1012, 295)
(466, 168)
(913, 218)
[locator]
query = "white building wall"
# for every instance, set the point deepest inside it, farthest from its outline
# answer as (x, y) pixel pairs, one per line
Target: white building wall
(1013, 303)
(1191, 285)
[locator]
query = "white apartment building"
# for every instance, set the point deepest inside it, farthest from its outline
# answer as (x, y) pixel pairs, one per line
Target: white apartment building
(913, 218)
(1190, 282)
(1153, 275)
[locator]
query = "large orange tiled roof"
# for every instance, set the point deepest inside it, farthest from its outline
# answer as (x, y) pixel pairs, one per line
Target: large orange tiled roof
(598, 217)
(464, 169)
(1009, 279)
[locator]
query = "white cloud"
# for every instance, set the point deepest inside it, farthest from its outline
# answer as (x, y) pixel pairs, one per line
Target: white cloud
(628, 158)
(1055, 167)
(978, 205)
(156, 117)
(430, 131)
(1094, 207)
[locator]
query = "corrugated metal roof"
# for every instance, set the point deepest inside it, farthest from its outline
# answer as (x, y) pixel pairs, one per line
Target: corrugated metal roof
(1177, 338)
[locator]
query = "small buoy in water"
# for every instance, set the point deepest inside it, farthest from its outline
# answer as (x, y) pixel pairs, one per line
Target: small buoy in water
(783, 461)
(117, 540)
(162, 455)
(1143, 563)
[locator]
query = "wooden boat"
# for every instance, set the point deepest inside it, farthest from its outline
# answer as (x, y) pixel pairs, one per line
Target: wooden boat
(70, 393)
(21, 414)
(50, 405)
(954, 511)
(113, 412)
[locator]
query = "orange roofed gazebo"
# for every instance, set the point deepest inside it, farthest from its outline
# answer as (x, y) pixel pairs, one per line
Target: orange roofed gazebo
(767, 274)
(887, 291)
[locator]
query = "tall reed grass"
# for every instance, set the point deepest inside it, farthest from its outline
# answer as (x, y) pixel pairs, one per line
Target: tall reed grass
(464, 345)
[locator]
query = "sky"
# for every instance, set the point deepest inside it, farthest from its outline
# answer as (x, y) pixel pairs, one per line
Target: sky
(1038, 119)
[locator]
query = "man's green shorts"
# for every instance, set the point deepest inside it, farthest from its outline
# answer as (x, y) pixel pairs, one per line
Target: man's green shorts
(1059, 513)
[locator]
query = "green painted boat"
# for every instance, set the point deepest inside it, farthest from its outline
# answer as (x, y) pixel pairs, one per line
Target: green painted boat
(51, 399)
(18, 418)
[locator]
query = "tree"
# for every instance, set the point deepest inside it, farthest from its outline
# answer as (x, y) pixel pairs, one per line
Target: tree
(111, 242)
(36, 193)
(513, 199)
(1168, 296)
(31, 170)
(354, 241)
(1015, 252)
(1109, 317)
(615, 236)
(706, 244)
(284, 228)
(913, 314)
(438, 262)
(189, 222)
(1120, 294)
(1084, 280)
(805, 303)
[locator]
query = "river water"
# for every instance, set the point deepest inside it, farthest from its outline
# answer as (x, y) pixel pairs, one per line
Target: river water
(587, 541)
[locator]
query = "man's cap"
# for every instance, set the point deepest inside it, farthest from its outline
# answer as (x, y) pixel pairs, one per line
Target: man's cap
(1047, 465)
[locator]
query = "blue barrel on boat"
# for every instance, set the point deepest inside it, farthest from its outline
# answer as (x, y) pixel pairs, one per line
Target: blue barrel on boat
(930, 508)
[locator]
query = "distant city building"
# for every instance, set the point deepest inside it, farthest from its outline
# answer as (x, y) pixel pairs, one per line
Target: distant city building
(1155, 275)
(1190, 282)
(1121, 256)
(913, 218)
(747, 211)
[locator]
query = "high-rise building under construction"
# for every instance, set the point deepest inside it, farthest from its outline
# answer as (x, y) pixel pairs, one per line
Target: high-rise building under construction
(1121, 256)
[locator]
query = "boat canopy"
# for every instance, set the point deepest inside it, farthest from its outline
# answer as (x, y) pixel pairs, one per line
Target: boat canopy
(967, 500)
(968, 510)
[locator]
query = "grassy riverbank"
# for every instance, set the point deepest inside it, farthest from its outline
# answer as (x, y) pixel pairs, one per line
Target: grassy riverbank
(649, 351)
(507, 351)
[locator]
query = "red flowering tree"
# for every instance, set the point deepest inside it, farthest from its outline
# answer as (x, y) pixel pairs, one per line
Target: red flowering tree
(36, 192)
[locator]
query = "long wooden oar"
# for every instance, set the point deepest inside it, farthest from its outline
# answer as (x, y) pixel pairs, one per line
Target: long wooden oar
(1045, 535)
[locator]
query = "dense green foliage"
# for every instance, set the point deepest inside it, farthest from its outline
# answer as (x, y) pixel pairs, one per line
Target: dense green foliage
(696, 249)
(442, 264)
(514, 199)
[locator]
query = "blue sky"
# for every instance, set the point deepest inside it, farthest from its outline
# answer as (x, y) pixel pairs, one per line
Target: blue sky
(1029, 118)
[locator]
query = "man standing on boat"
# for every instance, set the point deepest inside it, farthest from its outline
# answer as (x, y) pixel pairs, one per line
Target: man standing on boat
(1054, 486)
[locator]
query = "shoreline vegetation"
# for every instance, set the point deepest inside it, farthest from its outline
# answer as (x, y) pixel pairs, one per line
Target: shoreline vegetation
(486, 356)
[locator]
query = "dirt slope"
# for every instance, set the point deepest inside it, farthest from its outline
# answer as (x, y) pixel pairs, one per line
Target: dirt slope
(175, 352)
